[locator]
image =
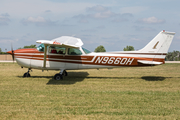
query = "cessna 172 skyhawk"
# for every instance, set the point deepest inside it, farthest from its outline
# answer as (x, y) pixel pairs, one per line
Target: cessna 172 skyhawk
(66, 53)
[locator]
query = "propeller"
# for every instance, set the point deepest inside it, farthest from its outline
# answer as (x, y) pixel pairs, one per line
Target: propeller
(12, 52)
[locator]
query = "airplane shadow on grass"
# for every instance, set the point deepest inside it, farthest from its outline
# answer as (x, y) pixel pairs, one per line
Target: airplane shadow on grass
(153, 78)
(74, 77)
(79, 77)
(146, 78)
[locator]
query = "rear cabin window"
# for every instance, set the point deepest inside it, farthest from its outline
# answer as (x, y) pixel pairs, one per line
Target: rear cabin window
(57, 50)
(74, 51)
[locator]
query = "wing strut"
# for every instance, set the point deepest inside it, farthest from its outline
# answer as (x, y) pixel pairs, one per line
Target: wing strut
(45, 53)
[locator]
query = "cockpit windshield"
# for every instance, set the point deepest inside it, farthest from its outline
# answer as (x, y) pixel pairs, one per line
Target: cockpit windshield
(86, 51)
(41, 48)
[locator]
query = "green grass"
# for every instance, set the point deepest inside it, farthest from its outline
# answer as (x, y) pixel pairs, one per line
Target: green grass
(121, 93)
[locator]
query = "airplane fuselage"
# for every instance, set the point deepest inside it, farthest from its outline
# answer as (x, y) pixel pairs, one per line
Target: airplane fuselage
(32, 58)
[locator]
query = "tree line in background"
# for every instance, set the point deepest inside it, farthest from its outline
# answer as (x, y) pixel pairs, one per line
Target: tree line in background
(2, 52)
(31, 46)
(171, 56)
(102, 49)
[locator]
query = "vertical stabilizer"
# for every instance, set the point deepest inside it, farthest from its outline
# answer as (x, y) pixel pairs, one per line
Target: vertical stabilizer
(160, 44)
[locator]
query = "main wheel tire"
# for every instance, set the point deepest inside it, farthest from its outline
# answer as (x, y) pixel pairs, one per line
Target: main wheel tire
(58, 77)
(26, 75)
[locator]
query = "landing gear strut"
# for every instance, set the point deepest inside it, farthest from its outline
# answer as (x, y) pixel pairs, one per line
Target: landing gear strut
(59, 76)
(27, 73)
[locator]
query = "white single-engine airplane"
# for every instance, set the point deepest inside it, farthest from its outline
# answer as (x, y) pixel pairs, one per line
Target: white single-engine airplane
(66, 53)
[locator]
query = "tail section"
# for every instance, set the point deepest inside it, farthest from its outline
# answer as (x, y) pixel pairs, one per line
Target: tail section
(160, 44)
(157, 49)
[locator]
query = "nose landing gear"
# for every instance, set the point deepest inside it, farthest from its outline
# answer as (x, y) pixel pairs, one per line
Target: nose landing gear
(27, 73)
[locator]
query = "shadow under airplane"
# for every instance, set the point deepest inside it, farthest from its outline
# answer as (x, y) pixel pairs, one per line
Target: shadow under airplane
(153, 78)
(74, 77)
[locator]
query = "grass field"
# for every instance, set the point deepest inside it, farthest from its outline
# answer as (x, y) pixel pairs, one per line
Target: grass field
(121, 93)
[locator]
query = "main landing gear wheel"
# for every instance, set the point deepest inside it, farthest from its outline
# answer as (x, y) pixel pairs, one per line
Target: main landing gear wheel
(58, 77)
(26, 75)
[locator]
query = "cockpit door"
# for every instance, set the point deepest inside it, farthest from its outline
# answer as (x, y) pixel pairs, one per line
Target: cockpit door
(56, 57)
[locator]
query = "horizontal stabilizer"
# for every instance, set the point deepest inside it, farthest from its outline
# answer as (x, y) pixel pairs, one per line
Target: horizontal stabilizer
(149, 62)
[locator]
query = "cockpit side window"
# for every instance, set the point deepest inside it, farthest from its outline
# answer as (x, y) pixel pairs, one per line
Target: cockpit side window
(74, 51)
(41, 48)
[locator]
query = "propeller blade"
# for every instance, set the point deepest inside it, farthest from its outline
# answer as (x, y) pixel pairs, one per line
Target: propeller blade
(12, 52)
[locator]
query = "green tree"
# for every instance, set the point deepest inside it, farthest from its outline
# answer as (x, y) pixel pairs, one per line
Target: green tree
(30, 46)
(129, 48)
(100, 49)
(1, 52)
(173, 56)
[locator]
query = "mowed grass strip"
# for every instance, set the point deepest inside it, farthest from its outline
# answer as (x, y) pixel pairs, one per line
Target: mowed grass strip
(120, 93)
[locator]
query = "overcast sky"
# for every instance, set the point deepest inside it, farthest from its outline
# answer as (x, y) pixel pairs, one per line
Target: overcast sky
(111, 23)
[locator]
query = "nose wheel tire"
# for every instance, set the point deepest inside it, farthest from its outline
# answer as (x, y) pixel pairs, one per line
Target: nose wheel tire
(58, 77)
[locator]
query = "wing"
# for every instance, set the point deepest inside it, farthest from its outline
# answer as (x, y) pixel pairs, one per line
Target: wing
(64, 41)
